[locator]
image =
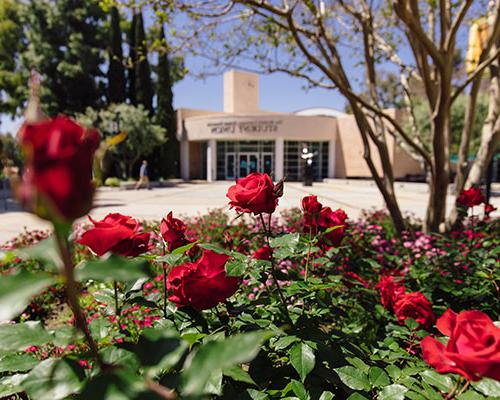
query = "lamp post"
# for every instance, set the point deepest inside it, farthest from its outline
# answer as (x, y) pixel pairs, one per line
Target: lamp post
(308, 156)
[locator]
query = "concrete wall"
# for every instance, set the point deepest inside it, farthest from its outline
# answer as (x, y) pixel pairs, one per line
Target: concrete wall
(241, 92)
(349, 161)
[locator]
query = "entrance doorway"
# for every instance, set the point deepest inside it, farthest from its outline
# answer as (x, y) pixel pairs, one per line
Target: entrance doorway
(239, 165)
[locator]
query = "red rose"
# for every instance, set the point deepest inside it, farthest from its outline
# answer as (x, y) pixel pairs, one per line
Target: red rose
(329, 219)
(253, 194)
(57, 182)
(471, 197)
(264, 253)
(473, 348)
(312, 208)
(117, 234)
(488, 209)
(414, 305)
(390, 291)
(202, 284)
(173, 232)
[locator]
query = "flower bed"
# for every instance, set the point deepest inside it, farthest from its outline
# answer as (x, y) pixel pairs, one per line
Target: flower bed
(317, 306)
(352, 328)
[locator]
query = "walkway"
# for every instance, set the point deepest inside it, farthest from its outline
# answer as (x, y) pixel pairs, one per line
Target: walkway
(196, 198)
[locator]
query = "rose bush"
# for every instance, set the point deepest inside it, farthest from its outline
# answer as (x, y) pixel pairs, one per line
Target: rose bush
(308, 306)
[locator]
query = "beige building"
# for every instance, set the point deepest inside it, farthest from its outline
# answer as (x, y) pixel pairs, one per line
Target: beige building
(243, 139)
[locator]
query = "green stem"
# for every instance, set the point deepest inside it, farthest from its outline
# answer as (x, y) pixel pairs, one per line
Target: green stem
(72, 293)
(165, 294)
(117, 305)
(308, 254)
(273, 271)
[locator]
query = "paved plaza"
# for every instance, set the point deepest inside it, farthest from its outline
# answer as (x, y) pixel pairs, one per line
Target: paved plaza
(191, 199)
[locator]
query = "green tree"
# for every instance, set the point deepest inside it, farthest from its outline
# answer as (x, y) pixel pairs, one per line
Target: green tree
(116, 70)
(143, 84)
(457, 122)
(66, 44)
(131, 61)
(12, 44)
(143, 134)
(165, 113)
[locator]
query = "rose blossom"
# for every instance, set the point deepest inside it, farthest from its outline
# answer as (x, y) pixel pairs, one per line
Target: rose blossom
(116, 233)
(488, 209)
(471, 197)
(173, 232)
(312, 208)
(390, 291)
(201, 284)
(264, 253)
(57, 182)
(414, 305)
(333, 219)
(473, 348)
(253, 194)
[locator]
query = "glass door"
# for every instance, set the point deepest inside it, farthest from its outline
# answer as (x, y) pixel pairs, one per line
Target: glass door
(267, 163)
(247, 163)
(230, 166)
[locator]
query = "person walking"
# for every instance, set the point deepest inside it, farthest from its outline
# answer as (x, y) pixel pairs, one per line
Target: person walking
(143, 176)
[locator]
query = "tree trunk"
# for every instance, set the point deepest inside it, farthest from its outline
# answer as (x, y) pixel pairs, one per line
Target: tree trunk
(438, 190)
(490, 136)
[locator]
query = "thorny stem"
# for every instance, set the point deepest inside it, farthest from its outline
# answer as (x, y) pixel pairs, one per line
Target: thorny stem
(467, 384)
(163, 265)
(273, 266)
(308, 254)
(117, 306)
(72, 293)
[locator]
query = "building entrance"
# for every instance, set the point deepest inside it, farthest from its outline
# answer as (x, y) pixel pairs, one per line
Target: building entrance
(239, 165)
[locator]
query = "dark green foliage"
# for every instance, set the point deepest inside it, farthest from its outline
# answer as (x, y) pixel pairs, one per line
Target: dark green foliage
(116, 70)
(132, 60)
(143, 84)
(12, 43)
(66, 42)
(168, 154)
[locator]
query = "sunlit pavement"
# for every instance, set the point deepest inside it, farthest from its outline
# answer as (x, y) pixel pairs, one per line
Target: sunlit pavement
(193, 199)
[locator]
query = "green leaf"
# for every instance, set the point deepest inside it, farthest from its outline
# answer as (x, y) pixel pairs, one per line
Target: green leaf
(159, 349)
(470, 395)
(235, 267)
(219, 355)
(378, 377)
(120, 384)
(488, 387)
(215, 248)
(290, 240)
(353, 378)
(10, 385)
(356, 396)
(284, 342)
(326, 396)
(120, 357)
(237, 374)
(171, 259)
(441, 382)
(113, 268)
(53, 380)
(17, 337)
(45, 251)
(17, 362)
(302, 359)
(17, 291)
(257, 395)
(299, 389)
(392, 392)
(183, 249)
